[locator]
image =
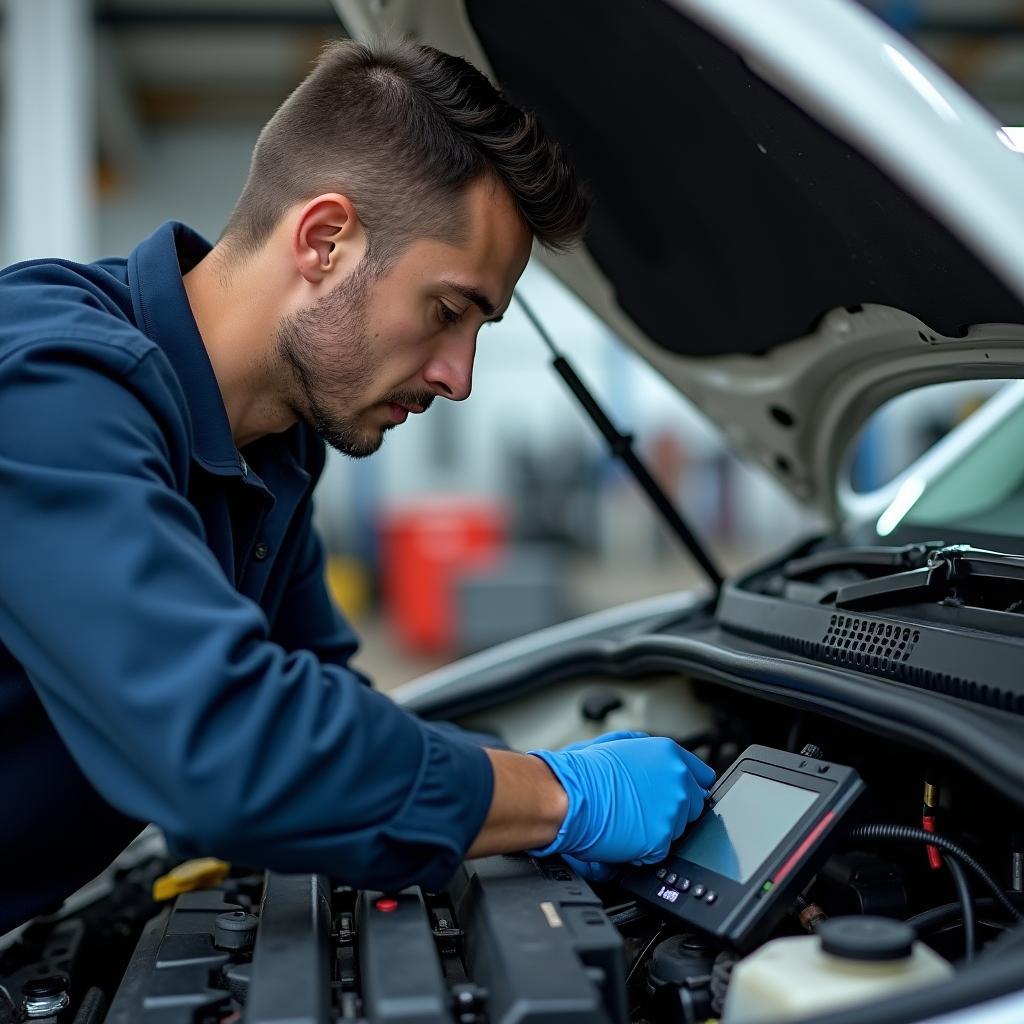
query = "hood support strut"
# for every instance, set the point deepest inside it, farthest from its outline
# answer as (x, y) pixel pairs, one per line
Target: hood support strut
(621, 446)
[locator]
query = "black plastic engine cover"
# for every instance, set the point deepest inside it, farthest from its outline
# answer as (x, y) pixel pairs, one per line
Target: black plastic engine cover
(168, 979)
(528, 942)
(538, 940)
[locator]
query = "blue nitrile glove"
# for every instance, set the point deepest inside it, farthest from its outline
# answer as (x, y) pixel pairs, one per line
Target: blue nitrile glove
(629, 799)
(607, 737)
(591, 870)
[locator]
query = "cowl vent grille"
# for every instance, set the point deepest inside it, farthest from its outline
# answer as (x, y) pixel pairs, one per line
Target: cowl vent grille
(869, 643)
(882, 664)
(970, 653)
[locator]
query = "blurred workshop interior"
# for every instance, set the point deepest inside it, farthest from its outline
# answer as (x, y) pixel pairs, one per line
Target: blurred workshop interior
(483, 520)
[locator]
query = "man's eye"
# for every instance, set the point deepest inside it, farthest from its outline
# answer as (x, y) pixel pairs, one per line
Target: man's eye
(447, 315)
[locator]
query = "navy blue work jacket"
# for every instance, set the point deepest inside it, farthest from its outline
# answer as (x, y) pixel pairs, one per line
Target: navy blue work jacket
(168, 650)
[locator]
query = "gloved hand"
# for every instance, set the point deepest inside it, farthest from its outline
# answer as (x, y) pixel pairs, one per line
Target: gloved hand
(592, 870)
(629, 798)
(607, 737)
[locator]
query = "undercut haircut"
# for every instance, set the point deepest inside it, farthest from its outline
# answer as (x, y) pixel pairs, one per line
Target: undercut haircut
(403, 129)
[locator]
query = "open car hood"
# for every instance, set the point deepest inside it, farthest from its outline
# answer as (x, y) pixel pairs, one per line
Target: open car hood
(797, 215)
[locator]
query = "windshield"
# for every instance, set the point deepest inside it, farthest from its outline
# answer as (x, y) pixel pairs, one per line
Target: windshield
(983, 489)
(969, 483)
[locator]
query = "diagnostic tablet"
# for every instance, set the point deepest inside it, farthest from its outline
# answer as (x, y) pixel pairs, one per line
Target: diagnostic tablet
(765, 829)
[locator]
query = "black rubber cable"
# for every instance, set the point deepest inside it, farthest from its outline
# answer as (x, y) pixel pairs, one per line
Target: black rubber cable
(936, 917)
(93, 1007)
(963, 891)
(904, 833)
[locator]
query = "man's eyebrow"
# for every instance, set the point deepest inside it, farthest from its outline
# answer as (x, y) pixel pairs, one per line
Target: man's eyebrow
(477, 298)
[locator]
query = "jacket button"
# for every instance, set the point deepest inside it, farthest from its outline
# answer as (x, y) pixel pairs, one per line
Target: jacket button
(261, 551)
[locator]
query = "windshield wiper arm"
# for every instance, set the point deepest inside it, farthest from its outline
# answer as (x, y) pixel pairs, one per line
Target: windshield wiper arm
(621, 446)
(869, 559)
(946, 568)
(968, 562)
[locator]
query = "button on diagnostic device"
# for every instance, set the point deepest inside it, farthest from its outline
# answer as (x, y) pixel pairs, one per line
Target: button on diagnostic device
(766, 828)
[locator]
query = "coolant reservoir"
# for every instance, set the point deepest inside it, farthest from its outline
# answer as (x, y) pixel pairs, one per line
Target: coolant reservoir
(850, 960)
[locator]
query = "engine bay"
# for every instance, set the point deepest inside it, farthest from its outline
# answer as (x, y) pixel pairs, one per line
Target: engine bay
(519, 939)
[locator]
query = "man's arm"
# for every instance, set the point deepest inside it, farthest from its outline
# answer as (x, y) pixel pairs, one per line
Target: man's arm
(528, 803)
(162, 680)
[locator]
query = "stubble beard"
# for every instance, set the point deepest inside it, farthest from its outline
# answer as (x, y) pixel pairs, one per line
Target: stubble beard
(329, 354)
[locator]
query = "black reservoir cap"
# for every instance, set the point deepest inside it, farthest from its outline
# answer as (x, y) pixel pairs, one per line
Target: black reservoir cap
(866, 938)
(677, 960)
(53, 985)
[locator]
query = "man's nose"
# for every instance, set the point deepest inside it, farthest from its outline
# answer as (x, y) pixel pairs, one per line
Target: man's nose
(450, 372)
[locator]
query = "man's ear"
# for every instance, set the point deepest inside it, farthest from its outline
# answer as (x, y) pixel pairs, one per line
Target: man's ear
(328, 238)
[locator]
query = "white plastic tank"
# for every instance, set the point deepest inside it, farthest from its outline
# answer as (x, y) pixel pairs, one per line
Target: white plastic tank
(851, 960)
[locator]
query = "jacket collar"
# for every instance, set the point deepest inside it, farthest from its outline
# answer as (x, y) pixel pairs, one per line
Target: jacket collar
(162, 311)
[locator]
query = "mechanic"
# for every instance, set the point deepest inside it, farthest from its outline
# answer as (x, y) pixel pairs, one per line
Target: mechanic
(168, 649)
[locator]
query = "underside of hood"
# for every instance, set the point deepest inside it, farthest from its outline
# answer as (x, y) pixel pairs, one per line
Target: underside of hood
(728, 219)
(796, 215)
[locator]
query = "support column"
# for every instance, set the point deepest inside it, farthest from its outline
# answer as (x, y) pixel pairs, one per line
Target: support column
(49, 137)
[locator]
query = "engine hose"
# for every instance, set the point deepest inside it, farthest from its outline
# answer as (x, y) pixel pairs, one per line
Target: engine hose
(936, 917)
(93, 1007)
(963, 891)
(910, 833)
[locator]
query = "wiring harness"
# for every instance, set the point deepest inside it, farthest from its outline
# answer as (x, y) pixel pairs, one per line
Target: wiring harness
(910, 833)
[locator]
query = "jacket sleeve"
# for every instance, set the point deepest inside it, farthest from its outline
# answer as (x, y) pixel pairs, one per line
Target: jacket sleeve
(162, 680)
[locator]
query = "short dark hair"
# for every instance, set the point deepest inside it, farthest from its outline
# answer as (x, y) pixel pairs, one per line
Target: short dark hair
(403, 129)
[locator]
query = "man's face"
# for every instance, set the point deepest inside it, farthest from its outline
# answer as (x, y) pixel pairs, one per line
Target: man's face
(378, 347)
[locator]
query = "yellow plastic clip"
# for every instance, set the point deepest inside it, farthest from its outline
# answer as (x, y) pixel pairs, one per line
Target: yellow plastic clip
(203, 873)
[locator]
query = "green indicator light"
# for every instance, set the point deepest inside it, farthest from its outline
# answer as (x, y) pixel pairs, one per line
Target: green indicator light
(767, 887)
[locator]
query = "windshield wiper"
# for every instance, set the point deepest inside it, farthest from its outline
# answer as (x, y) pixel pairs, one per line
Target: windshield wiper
(872, 561)
(946, 569)
(621, 446)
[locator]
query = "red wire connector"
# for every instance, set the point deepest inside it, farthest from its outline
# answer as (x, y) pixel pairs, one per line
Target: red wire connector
(931, 801)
